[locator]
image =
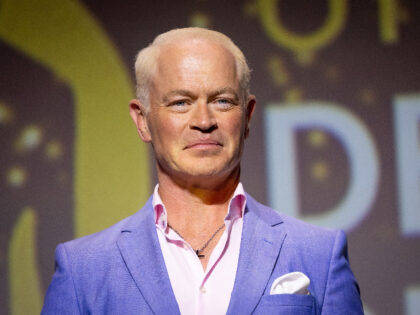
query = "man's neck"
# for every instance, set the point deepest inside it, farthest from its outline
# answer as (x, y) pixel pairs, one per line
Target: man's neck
(195, 206)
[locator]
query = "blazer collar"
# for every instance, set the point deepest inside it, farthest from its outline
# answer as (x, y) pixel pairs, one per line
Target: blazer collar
(140, 249)
(262, 239)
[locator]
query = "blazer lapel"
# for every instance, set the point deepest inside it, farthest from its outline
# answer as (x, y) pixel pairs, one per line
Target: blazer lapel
(261, 242)
(140, 249)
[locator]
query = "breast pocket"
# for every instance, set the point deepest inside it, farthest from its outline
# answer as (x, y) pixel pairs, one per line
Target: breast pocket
(285, 304)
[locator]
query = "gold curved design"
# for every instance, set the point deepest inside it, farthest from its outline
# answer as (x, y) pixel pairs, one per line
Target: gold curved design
(297, 43)
(111, 165)
(388, 20)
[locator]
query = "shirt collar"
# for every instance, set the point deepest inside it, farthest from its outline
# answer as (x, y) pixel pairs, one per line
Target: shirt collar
(235, 210)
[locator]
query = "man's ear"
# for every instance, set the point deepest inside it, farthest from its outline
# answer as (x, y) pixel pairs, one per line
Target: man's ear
(138, 114)
(250, 106)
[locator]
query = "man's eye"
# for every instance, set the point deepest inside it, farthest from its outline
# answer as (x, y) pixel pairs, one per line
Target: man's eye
(179, 103)
(224, 103)
(179, 106)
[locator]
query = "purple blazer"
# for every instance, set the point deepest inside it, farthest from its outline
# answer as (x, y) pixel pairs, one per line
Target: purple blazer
(121, 270)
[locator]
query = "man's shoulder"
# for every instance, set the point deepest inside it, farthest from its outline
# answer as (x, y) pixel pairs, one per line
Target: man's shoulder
(99, 239)
(106, 239)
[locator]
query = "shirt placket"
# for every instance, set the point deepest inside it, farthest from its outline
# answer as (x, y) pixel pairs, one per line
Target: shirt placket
(215, 257)
(194, 264)
(201, 280)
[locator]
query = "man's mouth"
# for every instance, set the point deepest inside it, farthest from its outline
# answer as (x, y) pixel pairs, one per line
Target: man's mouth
(203, 144)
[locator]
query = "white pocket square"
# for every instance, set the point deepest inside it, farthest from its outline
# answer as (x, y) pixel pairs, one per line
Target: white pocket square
(291, 283)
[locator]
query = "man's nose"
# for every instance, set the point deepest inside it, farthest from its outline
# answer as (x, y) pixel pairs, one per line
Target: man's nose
(203, 118)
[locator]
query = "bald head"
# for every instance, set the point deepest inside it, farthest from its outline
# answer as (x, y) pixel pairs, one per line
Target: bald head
(148, 58)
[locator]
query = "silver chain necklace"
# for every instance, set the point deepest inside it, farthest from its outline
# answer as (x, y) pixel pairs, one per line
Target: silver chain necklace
(198, 251)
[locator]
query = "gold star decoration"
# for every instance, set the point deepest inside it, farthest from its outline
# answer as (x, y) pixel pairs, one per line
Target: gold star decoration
(319, 170)
(200, 19)
(16, 176)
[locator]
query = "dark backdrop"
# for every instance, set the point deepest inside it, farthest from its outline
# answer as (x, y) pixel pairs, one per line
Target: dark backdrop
(335, 138)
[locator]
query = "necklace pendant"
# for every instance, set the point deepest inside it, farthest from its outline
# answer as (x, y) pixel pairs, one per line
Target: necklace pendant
(198, 254)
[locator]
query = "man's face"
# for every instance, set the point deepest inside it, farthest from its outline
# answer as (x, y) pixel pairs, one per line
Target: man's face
(196, 122)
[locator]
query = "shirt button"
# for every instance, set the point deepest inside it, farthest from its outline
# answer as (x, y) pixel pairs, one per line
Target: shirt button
(203, 290)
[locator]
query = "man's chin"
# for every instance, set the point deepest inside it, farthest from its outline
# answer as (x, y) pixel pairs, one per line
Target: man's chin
(201, 171)
(201, 174)
(211, 175)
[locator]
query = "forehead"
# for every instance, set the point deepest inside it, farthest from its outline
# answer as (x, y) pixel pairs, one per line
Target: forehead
(195, 59)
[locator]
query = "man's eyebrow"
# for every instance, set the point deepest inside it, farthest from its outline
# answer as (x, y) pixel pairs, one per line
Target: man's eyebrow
(173, 93)
(225, 90)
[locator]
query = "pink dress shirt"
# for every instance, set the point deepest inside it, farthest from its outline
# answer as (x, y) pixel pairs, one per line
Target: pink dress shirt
(199, 291)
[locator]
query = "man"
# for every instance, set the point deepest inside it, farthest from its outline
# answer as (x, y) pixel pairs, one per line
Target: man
(201, 245)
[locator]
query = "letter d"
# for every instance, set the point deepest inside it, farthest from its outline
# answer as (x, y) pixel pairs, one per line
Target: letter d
(281, 123)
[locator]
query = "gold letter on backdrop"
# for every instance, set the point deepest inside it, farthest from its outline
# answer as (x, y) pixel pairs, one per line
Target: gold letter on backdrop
(302, 45)
(388, 19)
(109, 182)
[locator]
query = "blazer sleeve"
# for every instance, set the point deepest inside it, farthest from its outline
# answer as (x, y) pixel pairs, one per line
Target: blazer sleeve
(61, 294)
(342, 294)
